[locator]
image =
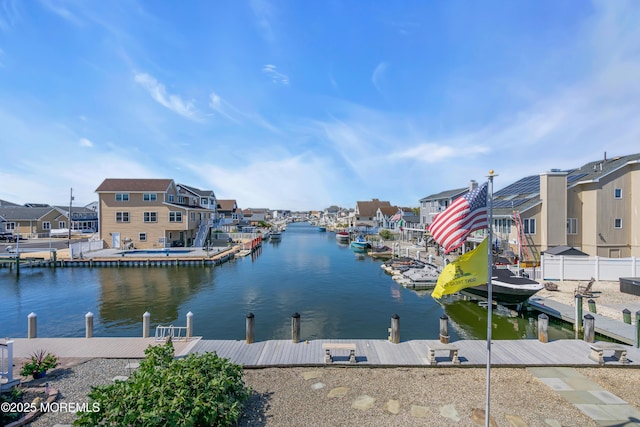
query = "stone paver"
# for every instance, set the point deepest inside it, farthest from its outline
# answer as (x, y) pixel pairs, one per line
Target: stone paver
(418, 411)
(311, 375)
(515, 421)
(450, 412)
(594, 401)
(392, 406)
(338, 392)
(318, 386)
(363, 402)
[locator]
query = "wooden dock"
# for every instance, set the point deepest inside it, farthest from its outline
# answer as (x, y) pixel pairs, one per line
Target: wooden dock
(605, 326)
(369, 353)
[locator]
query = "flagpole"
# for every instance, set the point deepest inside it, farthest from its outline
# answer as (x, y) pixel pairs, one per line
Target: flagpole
(487, 412)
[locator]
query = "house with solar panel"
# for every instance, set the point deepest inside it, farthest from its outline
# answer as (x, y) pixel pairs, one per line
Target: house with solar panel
(589, 208)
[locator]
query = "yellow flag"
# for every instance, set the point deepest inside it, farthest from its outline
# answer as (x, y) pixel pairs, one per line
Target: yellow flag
(470, 269)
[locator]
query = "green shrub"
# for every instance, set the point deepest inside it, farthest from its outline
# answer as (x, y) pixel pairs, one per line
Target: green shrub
(12, 396)
(38, 363)
(199, 390)
(386, 234)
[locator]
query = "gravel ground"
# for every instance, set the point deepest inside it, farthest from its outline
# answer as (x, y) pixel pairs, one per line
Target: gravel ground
(445, 396)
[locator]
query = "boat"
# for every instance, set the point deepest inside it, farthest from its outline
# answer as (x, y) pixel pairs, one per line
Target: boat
(360, 243)
(276, 235)
(342, 236)
(507, 288)
(423, 278)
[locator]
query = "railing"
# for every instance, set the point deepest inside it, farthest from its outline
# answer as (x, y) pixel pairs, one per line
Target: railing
(176, 333)
(6, 362)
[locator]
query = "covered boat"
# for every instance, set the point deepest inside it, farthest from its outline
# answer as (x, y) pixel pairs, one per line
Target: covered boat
(506, 287)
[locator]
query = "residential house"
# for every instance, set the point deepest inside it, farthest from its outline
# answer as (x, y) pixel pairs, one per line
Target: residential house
(384, 214)
(82, 218)
(229, 214)
(255, 216)
(431, 205)
(150, 213)
(590, 208)
(365, 213)
(33, 222)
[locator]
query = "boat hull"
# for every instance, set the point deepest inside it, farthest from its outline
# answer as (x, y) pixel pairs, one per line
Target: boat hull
(502, 294)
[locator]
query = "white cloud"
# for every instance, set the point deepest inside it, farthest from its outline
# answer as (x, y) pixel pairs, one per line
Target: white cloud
(173, 102)
(275, 76)
(84, 142)
(61, 11)
(378, 75)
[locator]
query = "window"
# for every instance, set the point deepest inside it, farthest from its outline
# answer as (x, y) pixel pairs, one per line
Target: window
(142, 237)
(529, 225)
(193, 216)
(204, 201)
(151, 217)
(175, 216)
(617, 193)
(62, 224)
(181, 200)
(572, 225)
(122, 197)
(10, 226)
(617, 223)
(149, 197)
(170, 198)
(46, 225)
(122, 216)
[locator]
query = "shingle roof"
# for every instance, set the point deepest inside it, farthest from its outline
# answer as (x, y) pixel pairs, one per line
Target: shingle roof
(226, 205)
(525, 193)
(369, 208)
(197, 191)
(23, 213)
(134, 185)
(447, 194)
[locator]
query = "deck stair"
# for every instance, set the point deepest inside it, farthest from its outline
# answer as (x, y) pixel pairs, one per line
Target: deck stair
(527, 246)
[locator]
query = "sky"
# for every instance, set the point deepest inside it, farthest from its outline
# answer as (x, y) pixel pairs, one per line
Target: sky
(302, 105)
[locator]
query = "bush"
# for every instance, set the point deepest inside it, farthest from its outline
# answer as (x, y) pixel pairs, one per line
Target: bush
(12, 396)
(199, 390)
(386, 234)
(40, 362)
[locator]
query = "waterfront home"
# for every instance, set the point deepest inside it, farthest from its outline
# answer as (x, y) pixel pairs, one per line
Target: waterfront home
(590, 208)
(152, 213)
(33, 222)
(365, 213)
(229, 214)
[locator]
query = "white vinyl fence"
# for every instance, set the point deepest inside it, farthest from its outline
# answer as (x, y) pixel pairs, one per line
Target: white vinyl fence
(78, 249)
(559, 267)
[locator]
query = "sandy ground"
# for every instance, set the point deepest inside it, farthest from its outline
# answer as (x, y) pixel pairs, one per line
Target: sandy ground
(610, 302)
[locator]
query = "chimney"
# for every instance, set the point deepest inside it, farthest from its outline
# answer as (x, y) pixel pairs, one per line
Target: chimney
(605, 156)
(473, 185)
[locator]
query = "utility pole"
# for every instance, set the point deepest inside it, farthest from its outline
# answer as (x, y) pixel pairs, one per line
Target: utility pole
(70, 203)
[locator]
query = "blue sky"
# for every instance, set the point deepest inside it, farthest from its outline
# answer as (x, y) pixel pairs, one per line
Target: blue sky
(301, 105)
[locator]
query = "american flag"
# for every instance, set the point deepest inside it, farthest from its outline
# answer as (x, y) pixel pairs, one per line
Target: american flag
(466, 214)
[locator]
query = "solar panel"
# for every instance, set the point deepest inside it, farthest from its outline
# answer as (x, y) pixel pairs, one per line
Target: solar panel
(573, 178)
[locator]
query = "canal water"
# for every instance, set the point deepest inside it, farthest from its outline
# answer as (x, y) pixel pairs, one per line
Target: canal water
(337, 292)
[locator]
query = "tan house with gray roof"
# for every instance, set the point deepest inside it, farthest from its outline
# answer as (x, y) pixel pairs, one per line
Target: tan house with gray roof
(151, 213)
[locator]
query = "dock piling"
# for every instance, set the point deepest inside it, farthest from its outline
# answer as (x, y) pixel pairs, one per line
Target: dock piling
(592, 305)
(295, 328)
(578, 323)
(543, 328)
(250, 328)
(395, 329)
(88, 322)
(32, 325)
(189, 325)
(589, 328)
(638, 329)
(444, 329)
(146, 324)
